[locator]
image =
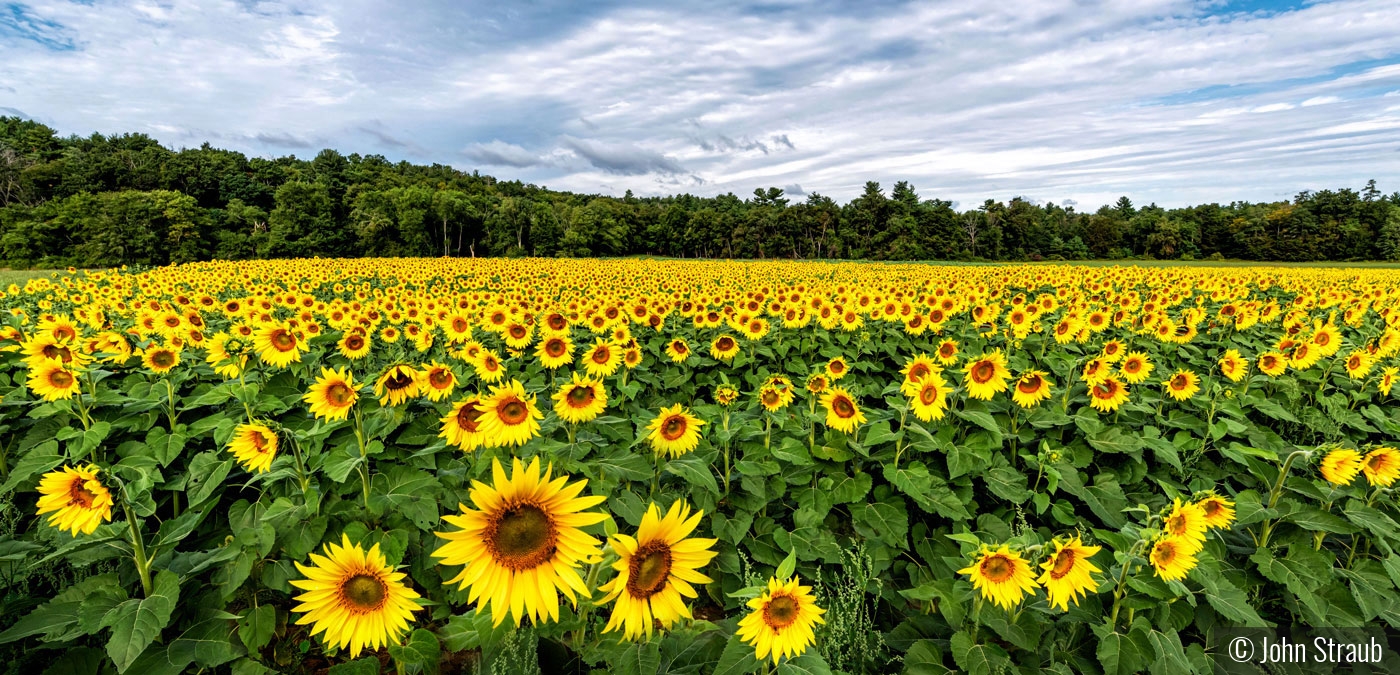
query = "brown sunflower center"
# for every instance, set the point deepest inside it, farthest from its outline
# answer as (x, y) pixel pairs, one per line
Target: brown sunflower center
(781, 612)
(354, 343)
(1180, 382)
(61, 379)
(649, 569)
(673, 427)
(1105, 390)
(843, 407)
(837, 367)
(1132, 366)
(283, 341)
(1211, 507)
(163, 359)
(467, 417)
(259, 441)
(440, 378)
(918, 371)
(1164, 553)
(398, 381)
(581, 397)
(1176, 524)
(928, 395)
(364, 592)
(517, 331)
(601, 355)
(554, 348)
(460, 325)
(512, 411)
(679, 347)
(983, 372)
(997, 568)
(521, 537)
(725, 344)
(1064, 562)
(79, 495)
(1029, 384)
(338, 394)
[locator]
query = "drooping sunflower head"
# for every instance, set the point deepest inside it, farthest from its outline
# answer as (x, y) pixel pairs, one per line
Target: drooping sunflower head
(76, 497)
(354, 597)
(523, 544)
(842, 412)
(1233, 366)
(254, 445)
(1172, 558)
(1031, 388)
(655, 571)
(817, 383)
(726, 395)
(674, 431)
(333, 394)
(1219, 511)
(1381, 466)
(1340, 466)
(1067, 572)
(781, 622)
(580, 400)
(509, 416)
(1002, 576)
(397, 384)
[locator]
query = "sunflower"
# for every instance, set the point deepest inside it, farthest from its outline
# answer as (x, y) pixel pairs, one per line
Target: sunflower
(678, 350)
(555, 351)
(398, 384)
(1003, 576)
(1109, 395)
(518, 336)
(986, 376)
(1387, 381)
(1113, 351)
(1340, 466)
(354, 597)
(1135, 368)
(916, 369)
(930, 402)
(160, 360)
(1272, 363)
(1188, 523)
(580, 400)
(76, 497)
(724, 347)
(772, 398)
(437, 381)
(602, 359)
(1068, 574)
(1304, 355)
(1233, 366)
(51, 380)
(488, 367)
(782, 620)
(947, 352)
(726, 395)
(1096, 370)
(333, 394)
(254, 446)
(632, 356)
(1031, 388)
(674, 431)
(462, 426)
(1358, 364)
(842, 413)
(1183, 385)
(1172, 558)
(817, 383)
(354, 346)
(837, 368)
(277, 345)
(523, 544)
(226, 355)
(1219, 511)
(509, 416)
(655, 571)
(1381, 466)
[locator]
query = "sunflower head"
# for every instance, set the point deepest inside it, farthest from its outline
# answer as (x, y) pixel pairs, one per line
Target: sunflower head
(509, 416)
(1067, 573)
(1340, 466)
(655, 571)
(580, 400)
(76, 498)
(781, 622)
(1172, 558)
(674, 431)
(254, 445)
(354, 597)
(1002, 576)
(1381, 466)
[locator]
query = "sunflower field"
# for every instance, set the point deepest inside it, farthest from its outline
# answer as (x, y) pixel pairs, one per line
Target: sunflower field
(641, 466)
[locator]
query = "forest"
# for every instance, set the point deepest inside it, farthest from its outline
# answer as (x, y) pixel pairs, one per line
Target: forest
(107, 201)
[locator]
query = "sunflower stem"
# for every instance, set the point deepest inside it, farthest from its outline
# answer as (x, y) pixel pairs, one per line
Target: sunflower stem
(1275, 493)
(138, 550)
(363, 467)
(170, 396)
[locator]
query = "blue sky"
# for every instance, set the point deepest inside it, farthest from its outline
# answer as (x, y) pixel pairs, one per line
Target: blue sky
(1078, 101)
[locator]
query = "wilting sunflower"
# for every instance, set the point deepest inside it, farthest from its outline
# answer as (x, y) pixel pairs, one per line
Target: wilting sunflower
(986, 376)
(1109, 395)
(1381, 466)
(724, 347)
(254, 446)
(509, 416)
(1172, 558)
(1031, 388)
(159, 359)
(678, 350)
(354, 597)
(1068, 574)
(555, 351)
(436, 381)
(277, 345)
(1272, 364)
(781, 621)
(523, 544)
(1183, 385)
(1188, 523)
(398, 384)
(580, 400)
(78, 500)
(1219, 511)
(1003, 576)
(1340, 466)
(52, 380)
(354, 346)
(930, 402)
(837, 368)
(917, 369)
(842, 413)
(1233, 366)
(602, 359)
(674, 431)
(655, 571)
(462, 426)
(225, 355)
(726, 395)
(333, 394)
(1135, 368)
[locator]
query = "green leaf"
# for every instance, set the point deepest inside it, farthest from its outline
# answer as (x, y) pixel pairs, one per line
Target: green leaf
(137, 623)
(984, 420)
(806, 663)
(1112, 439)
(408, 492)
(695, 471)
(1170, 657)
(788, 566)
(642, 658)
(42, 458)
(978, 659)
(1318, 520)
(737, 658)
(363, 666)
(846, 489)
(420, 653)
(208, 643)
(206, 474)
(1227, 598)
(1119, 654)
(256, 626)
(341, 461)
(1008, 483)
(626, 465)
(48, 618)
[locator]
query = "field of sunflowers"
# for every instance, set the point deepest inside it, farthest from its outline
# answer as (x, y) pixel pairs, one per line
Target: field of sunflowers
(640, 466)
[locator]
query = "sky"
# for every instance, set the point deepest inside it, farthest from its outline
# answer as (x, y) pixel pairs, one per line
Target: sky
(1069, 101)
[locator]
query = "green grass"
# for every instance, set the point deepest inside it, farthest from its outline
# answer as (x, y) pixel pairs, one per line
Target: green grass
(8, 277)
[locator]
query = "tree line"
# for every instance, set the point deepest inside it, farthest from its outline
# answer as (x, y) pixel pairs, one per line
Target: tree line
(125, 199)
